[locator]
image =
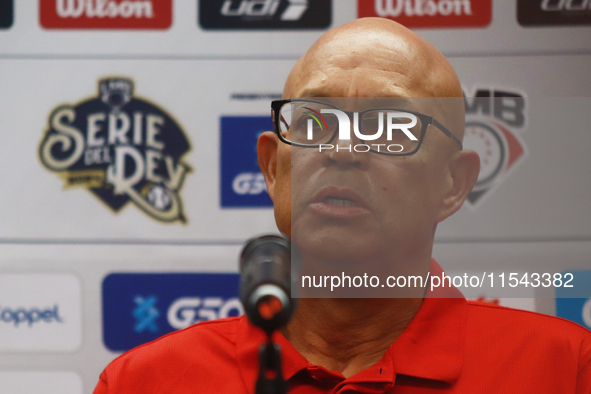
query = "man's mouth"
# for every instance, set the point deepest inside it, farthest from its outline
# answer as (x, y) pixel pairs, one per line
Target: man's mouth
(340, 202)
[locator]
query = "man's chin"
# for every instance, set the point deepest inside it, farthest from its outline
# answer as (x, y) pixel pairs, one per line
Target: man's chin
(335, 254)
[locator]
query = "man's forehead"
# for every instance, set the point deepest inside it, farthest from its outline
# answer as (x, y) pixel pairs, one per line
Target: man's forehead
(445, 109)
(372, 59)
(363, 103)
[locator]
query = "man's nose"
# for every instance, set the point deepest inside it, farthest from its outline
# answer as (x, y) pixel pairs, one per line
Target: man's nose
(353, 152)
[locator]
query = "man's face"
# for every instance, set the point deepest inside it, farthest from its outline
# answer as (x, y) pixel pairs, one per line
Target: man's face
(360, 206)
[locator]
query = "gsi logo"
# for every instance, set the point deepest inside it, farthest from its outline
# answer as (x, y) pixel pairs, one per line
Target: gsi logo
(138, 308)
(249, 183)
(264, 14)
(242, 184)
(190, 310)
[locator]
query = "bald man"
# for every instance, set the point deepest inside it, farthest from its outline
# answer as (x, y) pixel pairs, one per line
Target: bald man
(338, 206)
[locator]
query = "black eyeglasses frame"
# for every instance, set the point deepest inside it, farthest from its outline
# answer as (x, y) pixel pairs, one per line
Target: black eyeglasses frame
(426, 121)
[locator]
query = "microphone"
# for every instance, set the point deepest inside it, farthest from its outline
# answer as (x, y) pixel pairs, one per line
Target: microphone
(265, 282)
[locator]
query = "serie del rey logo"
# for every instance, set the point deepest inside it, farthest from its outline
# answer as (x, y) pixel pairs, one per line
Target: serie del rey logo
(430, 13)
(105, 14)
(121, 148)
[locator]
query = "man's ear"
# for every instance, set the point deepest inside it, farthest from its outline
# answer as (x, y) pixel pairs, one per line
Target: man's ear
(463, 170)
(267, 156)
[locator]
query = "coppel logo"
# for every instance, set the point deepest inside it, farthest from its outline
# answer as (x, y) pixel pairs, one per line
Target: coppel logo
(28, 317)
(138, 308)
(40, 313)
(242, 183)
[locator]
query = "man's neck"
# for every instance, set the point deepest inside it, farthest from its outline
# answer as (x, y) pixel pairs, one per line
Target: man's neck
(348, 335)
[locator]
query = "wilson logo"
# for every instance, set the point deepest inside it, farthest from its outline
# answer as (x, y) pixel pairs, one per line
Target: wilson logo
(386, 8)
(430, 13)
(106, 14)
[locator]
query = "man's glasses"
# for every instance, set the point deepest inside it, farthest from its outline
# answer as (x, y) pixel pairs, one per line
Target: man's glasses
(383, 130)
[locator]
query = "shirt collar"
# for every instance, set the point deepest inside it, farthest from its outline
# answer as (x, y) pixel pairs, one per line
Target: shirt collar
(431, 347)
(248, 342)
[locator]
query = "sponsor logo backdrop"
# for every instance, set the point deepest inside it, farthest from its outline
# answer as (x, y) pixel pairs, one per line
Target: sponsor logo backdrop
(138, 308)
(265, 14)
(430, 13)
(40, 313)
(140, 235)
(242, 183)
(110, 14)
(554, 12)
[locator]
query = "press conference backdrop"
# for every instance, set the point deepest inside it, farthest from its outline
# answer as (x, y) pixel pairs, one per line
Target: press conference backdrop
(164, 99)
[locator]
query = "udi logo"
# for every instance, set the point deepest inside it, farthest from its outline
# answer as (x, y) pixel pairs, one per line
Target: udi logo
(105, 14)
(430, 13)
(554, 12)
(6, 13)
(495, 119)
(265, 14)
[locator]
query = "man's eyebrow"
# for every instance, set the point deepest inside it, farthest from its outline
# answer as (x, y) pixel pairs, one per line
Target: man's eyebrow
(408, 103)
(397, 102)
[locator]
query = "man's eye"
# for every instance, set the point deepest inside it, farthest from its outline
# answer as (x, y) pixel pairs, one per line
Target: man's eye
(303, 124)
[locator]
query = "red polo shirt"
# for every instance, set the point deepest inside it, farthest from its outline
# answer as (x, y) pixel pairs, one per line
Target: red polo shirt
(451, 346)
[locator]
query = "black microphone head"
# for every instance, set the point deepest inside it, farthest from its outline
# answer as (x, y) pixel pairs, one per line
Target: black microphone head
(265, 281)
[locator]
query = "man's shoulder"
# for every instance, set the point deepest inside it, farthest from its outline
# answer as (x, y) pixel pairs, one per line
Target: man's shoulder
(211, 335)
(196, 347)
(519, 326)
(533, 320)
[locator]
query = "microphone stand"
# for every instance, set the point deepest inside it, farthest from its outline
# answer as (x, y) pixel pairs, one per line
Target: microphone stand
(270, 380)
(265, 288)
